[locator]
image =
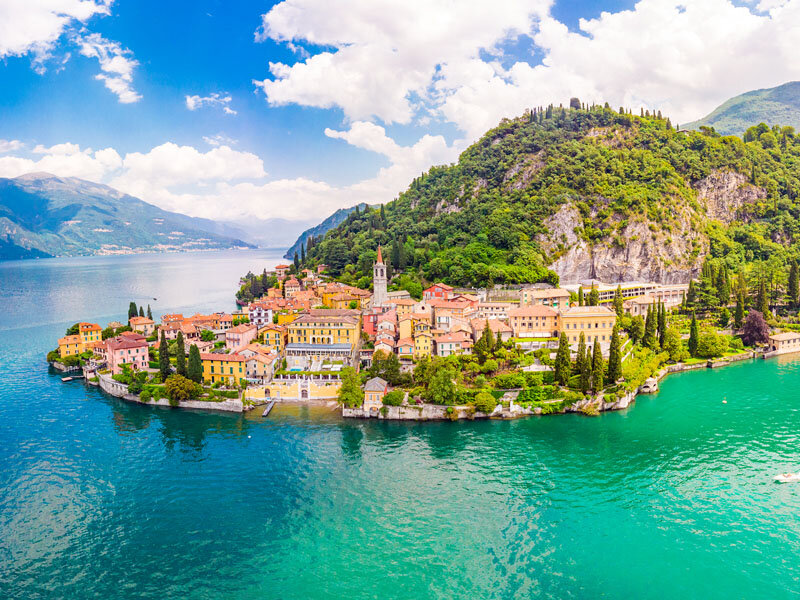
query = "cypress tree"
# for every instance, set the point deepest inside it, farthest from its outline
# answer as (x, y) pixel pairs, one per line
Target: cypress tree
(597, 367)
(141, 311)
(762, 302)
(738, 315)
(693, 336)
(614, 357)
(180, 359)
(149, 313)
(650, 339)
(302, 253)
(562, 366)
(383, 214)
(691, 295)
(296, 261)
(163, 358)
(793, 288)
(584, 365)
(618, 302)
(195, 370)
(662, 324)
(580, 295)
(132, 310)
(594, 297)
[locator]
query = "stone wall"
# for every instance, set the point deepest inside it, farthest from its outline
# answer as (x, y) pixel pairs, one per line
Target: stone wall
(120, 390)
(421, 412)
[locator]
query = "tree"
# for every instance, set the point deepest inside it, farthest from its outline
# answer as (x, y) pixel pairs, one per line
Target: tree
(580, 295)
(132, 310)
(614, 357)
(296, 262)
(662, 324)
(636, 330)
(618, 302)
(484, 347)
(650, 339)
(442, 388)
(575, 103)
(141, 311)
(674, 346)
(584, 366)
(350, 393)
(383, 214)
(597, 367)
(581, 354)
(724, 317)
(207, 335)
(195, 369)
(386, 366)
(180, 355)
(710, 344)
(180, 389)
(394, 398)
(755, 330)
(762, 301)
(594, 297)
(693, 336)
(562, 366)
(793, 287)
(738, 315)
(149, 313)
(163, 358)
(691, 295)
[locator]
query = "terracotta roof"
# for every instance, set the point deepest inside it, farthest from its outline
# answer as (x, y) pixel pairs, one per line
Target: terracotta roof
(69, 339)
(536, 310)
(495, 325)
(140, 321)
(444, 286)
(350, 320)
(333, 312)
(90, 326)
(457, 337)
(243, 328)
(402, 301)
(405, 342)
(121, 343)
(548, 293)
(785, 335)
(380, 256)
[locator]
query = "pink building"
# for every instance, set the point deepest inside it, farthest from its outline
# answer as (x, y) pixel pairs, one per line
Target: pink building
(125, 351)
(439, 291)
(240, 336)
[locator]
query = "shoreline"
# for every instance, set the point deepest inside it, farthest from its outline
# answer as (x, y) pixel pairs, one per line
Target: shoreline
(436, 412)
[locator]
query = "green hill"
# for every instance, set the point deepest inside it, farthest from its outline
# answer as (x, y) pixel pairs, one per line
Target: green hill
(774, 106)
(319, 230)
(44, 215)
(572, 194)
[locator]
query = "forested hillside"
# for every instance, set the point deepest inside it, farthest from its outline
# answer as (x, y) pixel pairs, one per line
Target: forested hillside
(577, 193)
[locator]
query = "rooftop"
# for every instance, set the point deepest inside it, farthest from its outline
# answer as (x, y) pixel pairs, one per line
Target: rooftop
(537, 310)
(376, 384)
(588, 311)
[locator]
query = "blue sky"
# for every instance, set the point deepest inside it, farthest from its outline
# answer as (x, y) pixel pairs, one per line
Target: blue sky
(295, 108)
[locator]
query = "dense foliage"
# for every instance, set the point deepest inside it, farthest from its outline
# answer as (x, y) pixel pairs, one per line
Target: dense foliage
(479, 221)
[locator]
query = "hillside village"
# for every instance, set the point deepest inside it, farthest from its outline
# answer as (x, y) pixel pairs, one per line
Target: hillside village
(453, 353)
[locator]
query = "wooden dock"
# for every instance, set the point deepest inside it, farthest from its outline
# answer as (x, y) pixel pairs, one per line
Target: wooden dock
(269, 408)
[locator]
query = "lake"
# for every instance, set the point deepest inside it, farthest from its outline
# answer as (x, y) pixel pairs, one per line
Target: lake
(104, 499)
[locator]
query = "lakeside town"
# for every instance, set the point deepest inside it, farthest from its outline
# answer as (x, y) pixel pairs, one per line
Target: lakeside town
(450, 354)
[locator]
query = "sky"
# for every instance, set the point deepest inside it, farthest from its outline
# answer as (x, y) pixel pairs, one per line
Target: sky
(292, 109)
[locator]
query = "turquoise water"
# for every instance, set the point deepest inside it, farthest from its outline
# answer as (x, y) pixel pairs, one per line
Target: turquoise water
(103, 499)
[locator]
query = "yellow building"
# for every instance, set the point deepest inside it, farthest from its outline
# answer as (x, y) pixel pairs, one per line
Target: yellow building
(423, 344)
(286, 317)
(405, 327)
(403, 306)
(90, 332)
(343, 300)
(596, 323)
(324, 329)
(70, 345)
(295, 389)
(225, 368)
(534, 321)
(274, 337)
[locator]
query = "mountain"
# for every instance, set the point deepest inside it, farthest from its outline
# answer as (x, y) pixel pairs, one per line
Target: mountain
(774, 106)
(272, 232)
(44, 215)
(318, 230)
(571, 194)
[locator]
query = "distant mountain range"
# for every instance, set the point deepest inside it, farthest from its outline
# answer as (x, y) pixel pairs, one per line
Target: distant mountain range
(774, 106)
(332, 221)
(43, 215)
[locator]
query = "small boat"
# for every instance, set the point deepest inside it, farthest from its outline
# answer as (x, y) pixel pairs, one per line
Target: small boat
(788, 478)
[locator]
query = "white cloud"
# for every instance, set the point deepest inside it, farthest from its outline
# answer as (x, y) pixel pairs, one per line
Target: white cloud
(10, 146)
(219, 140)
(116, 65)
(214, 99)
(386, 54)
(64, 159)
(35, 26)
(400, 60)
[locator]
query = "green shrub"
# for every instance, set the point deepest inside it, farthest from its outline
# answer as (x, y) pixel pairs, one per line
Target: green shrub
(485, 402)
(394, 398)
(145, 396)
